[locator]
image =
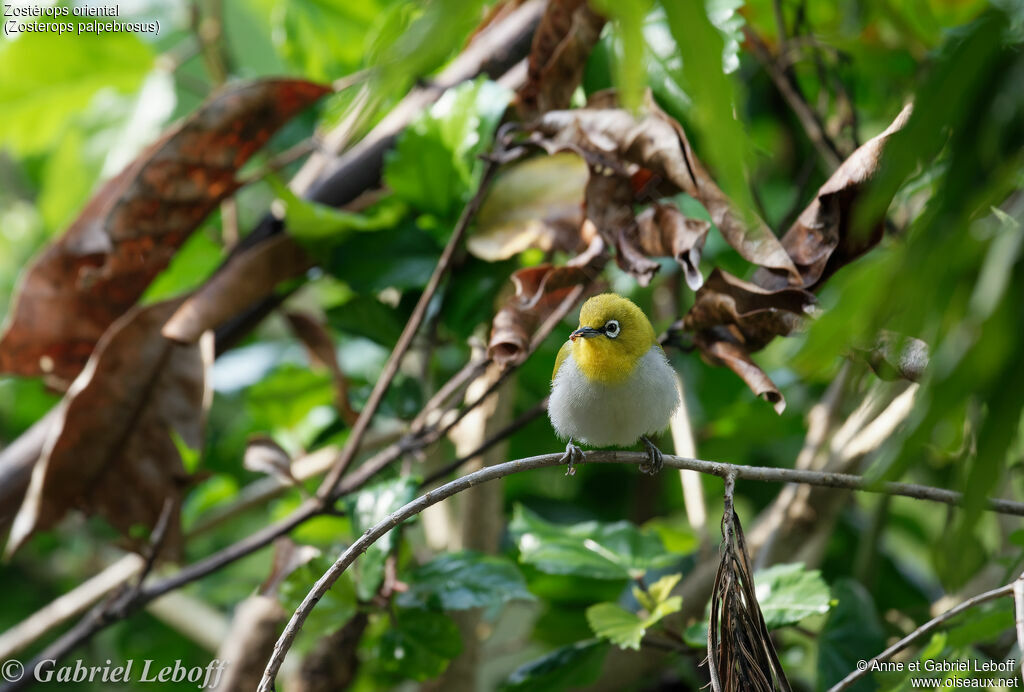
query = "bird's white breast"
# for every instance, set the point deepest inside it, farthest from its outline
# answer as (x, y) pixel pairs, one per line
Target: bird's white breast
(618, 414)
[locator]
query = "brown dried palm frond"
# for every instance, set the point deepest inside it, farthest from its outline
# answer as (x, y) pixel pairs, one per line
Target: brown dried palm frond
(741, 655)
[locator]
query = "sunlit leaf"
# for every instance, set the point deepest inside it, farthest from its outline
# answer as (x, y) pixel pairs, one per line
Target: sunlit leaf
(367, 508)
(788, 593)
(591, 549)
(458, 581)
(432, 166)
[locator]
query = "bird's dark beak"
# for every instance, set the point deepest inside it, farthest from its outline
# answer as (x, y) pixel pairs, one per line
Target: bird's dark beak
(586, 333)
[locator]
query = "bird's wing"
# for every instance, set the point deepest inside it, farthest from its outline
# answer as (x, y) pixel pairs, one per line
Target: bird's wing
(560, 358)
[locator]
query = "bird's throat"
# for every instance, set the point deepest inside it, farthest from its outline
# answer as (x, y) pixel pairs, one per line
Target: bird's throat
(600, 361)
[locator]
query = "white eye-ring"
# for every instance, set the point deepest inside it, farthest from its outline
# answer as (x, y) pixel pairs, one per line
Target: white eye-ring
(611, 329)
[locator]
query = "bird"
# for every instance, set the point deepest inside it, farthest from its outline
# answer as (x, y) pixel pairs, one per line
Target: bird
(612, 384)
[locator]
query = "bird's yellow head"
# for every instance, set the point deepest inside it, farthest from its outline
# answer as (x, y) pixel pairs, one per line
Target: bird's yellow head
(614, 334)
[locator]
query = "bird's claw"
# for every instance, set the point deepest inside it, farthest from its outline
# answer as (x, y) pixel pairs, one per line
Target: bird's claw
(573, 455)
(655, 460)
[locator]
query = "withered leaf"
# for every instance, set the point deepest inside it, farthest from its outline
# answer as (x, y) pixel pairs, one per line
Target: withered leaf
(895, 356)
(755, 315)
(248, 277)
(658, 144)
(320, 346)
(732, 318)
(133, 225)
(538, 292)
(822, 240)
(535, 203)
(737, 359)
(562, 43)
(112, 451)
(664, 231)
(264, 455)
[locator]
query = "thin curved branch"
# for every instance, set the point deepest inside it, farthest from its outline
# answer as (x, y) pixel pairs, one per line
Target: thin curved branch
(490, 473)
(926, 628)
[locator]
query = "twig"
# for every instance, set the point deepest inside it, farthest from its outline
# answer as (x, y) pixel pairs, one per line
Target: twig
(713, 626)
(70, 604)
(279, 161)
(1018, 609)
(515, 426)
(921, 631)
(156, 541)
(490, 473)
(380, 388)
(823, 144)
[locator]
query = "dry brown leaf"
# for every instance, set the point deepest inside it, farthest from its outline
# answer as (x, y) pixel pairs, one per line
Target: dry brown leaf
(538, 292)
(736, 358)
(895, 356)
(264, 455)
(537, 203)
(133, 225)
(568, 32)
(821, 240)
(663, 231)
(112, 451)
(754, 315)
(657, 143)
(320, 346)
(732, 318)
(246, 279)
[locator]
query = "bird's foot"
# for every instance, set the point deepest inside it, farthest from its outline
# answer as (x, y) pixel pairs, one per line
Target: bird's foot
(654, 458)
(573, 455)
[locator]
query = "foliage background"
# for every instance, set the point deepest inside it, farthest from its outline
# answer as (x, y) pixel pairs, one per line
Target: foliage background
(75, 110)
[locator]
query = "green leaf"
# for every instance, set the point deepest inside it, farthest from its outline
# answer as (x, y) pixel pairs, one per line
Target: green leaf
(852, 632)
(367, 508)
(212, 492)
(192, 264)
(312, 223)
(676, 533)
(420, 644)
(402, 258)
(326, 39)
(285, 397)
(368, 317)
(662, 589)
(432, 166)
(46, 79)
(979, 626)
(458, 581)
(696, 635)
(618, 550)
(703, 76)
(657, 593)
(190, 458)
(611, 621)
(789, 593)
(629, 16)
(334, 609)
(573, 666)
(616, 624)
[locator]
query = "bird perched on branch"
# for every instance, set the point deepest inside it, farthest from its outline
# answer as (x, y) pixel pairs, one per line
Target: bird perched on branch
(612, 384)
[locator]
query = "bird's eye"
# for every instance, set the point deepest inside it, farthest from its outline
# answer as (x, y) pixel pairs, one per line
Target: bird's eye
(611, 329)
